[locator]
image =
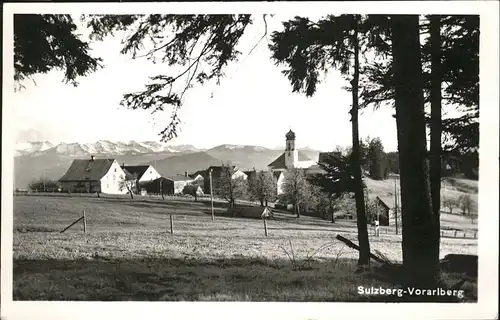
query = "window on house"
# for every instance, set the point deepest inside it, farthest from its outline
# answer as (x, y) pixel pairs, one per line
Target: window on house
(115, 169)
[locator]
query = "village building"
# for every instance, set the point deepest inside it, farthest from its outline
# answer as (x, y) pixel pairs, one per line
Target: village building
(178, 182)
(198, 177)
(142, 174)
(291, 158)
(251, 174)
(216, 174)
(386, 209)
(95, 175)
(159, 186)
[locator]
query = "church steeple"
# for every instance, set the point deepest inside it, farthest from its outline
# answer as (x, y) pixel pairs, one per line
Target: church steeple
(290, 141)
(291, 154)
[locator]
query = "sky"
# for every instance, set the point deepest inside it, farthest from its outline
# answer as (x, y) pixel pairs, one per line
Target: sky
(253, 105)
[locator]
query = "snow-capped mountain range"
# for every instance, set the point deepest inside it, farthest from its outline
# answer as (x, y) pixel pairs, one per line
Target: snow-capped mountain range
(45, 158)
(101, 147)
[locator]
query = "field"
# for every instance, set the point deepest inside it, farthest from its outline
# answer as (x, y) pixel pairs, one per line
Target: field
(128, 252)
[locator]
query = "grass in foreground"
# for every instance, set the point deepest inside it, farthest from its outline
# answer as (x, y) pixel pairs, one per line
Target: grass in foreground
(194, 280)
(128, 254)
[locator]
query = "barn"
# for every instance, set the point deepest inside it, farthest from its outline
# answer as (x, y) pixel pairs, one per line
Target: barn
(159, 186)
(386, 207)
(383, 211)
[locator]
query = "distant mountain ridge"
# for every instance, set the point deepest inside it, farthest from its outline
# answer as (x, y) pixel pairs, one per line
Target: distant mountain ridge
(99, 147)
(45, 159)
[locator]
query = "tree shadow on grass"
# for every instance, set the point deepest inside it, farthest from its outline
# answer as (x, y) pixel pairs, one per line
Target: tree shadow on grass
(189, 279)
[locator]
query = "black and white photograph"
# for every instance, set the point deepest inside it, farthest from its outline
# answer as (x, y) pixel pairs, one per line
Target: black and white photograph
(279, 155)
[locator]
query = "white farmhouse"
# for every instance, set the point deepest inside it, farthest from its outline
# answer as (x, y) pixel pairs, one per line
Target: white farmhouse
(95, 175)
(142, 174)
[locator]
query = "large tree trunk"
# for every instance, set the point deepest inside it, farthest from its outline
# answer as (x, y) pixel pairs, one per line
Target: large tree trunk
(364, 243)
(435, 160)
(419, 225)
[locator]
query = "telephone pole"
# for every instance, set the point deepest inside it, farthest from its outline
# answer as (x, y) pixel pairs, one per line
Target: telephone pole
(211, 195)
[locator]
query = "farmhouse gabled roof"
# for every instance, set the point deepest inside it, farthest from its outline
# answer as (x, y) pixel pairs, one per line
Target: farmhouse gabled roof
(279, 163)
(138, 171)
(202, 173)
(386, 201)
(129, 176)
(87, 169)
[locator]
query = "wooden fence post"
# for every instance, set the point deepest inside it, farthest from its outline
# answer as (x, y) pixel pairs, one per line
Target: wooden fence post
(171, 224)
(81, 218)
(475, 235)
(265, 227)
(455, 234)
(84, 223)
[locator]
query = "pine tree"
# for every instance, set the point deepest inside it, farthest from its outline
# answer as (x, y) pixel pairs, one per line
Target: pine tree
(419, 225)
(44, 42)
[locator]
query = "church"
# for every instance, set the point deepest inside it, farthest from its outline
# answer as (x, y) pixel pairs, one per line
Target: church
(291, 158)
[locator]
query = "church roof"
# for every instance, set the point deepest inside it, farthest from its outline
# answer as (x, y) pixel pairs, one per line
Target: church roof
(279, 163)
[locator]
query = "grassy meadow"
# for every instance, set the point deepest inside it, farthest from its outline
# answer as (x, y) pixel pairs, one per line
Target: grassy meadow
(129, 253)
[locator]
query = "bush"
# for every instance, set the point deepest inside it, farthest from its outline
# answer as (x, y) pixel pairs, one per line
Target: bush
(44, 185)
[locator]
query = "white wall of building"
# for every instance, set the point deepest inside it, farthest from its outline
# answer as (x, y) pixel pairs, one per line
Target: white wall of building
(150, 175)
(110, 183)
(291, 158)
(281, 179)
(239, 174)
(179, 185)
